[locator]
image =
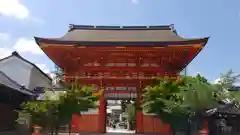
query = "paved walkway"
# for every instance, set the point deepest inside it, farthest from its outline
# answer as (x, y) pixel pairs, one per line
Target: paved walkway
(115, 133)
(111, 130)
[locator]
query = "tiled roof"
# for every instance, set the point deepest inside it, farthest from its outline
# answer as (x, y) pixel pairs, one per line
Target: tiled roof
(8, 82)
(117, 34)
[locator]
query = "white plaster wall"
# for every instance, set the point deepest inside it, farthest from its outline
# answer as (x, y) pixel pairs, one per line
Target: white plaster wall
(120, 95)
(37, 79)
(16, 69)
(91, 111)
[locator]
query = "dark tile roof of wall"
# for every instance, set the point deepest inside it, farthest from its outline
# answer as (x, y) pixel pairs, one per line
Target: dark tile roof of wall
(8, 82)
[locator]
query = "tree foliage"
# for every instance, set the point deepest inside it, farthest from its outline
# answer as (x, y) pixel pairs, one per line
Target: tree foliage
(38, 110)
(163, 100)
(59, 111)
(124, 104)
(198, 93)
(131, 114)
(226, 86)
(76, 100)
(228, 79)
(202, 79)
(176, 102)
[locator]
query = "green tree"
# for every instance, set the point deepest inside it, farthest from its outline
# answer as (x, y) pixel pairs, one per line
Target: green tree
(124, 104)
(198, 93)
(199, 96)
(131, 115)
(202, 79)
(228, 79)
(39, 111)
(225, 84)
(53, 113)
(163, 99)
(179, 101)
(75, 100)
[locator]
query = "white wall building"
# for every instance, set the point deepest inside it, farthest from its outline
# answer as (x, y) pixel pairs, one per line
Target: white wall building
(24, 72)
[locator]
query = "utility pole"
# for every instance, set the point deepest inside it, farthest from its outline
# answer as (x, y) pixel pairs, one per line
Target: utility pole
(185, 71)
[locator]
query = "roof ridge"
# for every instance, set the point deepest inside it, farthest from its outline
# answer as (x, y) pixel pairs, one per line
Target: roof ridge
(130, 27)
(16, 54)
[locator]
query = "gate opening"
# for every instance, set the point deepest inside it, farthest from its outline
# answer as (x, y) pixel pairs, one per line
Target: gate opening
(121, 116)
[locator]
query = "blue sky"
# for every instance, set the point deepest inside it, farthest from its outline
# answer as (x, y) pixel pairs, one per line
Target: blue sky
(20, 20)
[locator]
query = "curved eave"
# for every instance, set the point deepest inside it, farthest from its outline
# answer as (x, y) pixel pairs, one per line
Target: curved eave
(189, 42)
(195, 55)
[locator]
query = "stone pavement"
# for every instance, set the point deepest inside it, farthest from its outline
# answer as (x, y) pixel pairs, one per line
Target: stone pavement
(109, 132)
(115, 133)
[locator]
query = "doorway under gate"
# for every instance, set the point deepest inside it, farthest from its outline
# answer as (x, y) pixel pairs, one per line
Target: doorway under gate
(121, 116)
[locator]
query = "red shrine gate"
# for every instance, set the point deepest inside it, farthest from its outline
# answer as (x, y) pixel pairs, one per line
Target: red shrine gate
(121, 61)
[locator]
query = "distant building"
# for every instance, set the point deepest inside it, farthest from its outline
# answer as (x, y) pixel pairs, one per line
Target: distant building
(20, 80)
(114, 112)
(114, 102)
(235, 88)
(24, 72)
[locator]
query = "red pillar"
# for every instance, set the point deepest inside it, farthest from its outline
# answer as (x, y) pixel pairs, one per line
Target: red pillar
(102, 114)
(139, 119)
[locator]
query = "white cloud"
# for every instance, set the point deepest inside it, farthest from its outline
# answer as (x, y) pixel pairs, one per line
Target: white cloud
(217, 81)
(13, 8)
(4, 52)
(4, 36)
(53, 76)
(24, 45)
(135, 1)
(44, 68)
